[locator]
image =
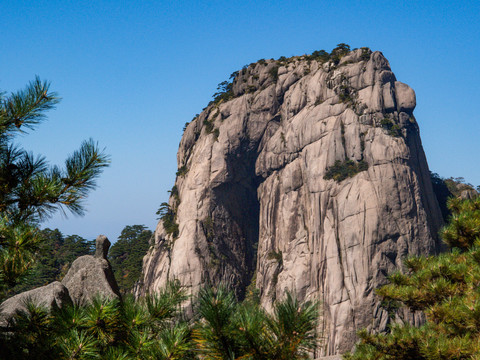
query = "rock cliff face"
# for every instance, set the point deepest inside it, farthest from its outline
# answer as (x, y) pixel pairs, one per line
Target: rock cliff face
(303, 175)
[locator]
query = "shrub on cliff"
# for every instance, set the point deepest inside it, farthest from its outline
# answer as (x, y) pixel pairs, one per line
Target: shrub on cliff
(341, 170)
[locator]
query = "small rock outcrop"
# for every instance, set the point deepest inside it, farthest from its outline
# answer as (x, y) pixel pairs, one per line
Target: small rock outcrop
(54, 294)
(92, 275)
(306, 175)
(88, 276)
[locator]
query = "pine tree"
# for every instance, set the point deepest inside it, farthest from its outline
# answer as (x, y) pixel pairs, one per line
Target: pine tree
(445, 288)
(53, 258)
(30, 189)
(126, 255)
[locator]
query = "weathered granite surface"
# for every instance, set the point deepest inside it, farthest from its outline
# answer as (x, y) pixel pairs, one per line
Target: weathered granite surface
(45, 296)
(252, 203)
(90, 276)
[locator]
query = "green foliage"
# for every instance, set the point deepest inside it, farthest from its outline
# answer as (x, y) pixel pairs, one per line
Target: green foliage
(54, 255)
(277, 256)
(150, 328)
(274, 73)
(463, 230)
(335, 55)
(216, 133)
(340, 51)
(182, 171)
(168, 216)
(393, 129)
(365, 56)
(293, 327)
(230, 330)
(224, 91)
(252, 294)
(209, 125)
(445, 288)
(153, 327)
(126, 255)
(319, 55)
(208, 228)
(216, 335)
(30, 189)
(346, 95)
(174, 193)
(262, 62)
(451, 187)
(340, 171)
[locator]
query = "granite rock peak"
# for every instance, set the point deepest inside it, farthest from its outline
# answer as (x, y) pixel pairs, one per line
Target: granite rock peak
(305, 174)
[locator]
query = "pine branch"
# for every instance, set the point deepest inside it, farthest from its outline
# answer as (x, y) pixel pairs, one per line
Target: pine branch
(26, 108)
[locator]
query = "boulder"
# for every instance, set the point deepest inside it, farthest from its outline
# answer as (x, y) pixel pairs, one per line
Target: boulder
(54, 294)
(90, 276)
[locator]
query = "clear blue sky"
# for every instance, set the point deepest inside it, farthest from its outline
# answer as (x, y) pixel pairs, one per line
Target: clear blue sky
(131, 73)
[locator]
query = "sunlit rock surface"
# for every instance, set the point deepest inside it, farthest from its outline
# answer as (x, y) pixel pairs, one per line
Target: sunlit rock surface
(252, 203)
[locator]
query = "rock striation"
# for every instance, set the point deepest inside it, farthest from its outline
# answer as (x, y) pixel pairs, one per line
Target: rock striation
(307, 175)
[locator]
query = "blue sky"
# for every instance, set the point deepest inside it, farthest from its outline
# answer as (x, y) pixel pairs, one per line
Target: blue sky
(131, 73)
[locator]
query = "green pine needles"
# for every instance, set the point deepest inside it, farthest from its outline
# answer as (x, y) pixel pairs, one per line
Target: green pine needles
(342, 170)
(156, 327)
(445, 288)
(30, 189)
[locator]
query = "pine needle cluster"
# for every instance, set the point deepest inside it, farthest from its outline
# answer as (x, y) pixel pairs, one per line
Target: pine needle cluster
(156, 328)
(30, 189)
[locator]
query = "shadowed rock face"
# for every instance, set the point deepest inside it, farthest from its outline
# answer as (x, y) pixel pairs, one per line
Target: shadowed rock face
(254, 203)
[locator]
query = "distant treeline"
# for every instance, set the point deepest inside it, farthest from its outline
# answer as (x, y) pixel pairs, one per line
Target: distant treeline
(445, 188)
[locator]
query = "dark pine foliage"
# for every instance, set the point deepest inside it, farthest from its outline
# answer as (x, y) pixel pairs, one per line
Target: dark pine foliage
(31, 190)
(55, 255)
(126, 255)
(168, 216)
(339, 171)
(224, 92)
(154, 328)
(447, 188)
